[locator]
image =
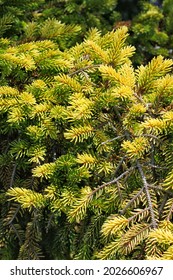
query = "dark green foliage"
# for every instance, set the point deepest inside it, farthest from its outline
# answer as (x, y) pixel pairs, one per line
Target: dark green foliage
(90, 13)
(151, 31)
(13, 14)
(128, 9)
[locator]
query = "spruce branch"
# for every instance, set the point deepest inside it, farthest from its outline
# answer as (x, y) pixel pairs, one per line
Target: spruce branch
(122, 212)
(119, 191)
(151, 136)
(154, 166)
(165, 198)
(110, 140)
(139, 97)
(145, 184)
(14, 216)
(119, 165)
(153, 161)
(159, 188)
(138, 213)
(170, 213)
(13, 175)
(133, 237)
(83, 69)
(49, 222)
(16, 232)
(111, 182)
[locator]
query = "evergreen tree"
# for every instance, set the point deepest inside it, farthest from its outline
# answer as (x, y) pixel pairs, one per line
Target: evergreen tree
(86, 151)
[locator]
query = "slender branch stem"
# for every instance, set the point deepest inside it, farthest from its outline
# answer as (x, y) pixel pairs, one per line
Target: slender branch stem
(113, 139)
(14, 216)
(84, 68)
(49, 222)
(170, 213)
(118, 166)
(154, 166)
(119, 191)
(153, 161)
(13, 175)
(158, 188)
(153, 220)
(112, 182)
(151, 136)
(122, 212)
(140, 99)
(17, 234)
(138, 213)
(165, 198)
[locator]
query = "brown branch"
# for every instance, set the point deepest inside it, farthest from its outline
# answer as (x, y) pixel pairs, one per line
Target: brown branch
(17, 234)
(110, 140)
(119, 191)
(83, 69)
(151, 136)
(122, 212)
(158, 188)
(165, 198)
(138, 213)
(119, 165)
(170, 213)
(153, 220)
(14, 216)
(112, 182)
(155, 166)
(49, 222)
(13, 175)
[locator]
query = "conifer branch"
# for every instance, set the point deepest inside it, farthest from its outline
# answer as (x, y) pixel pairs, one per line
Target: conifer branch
(139, 97)
(169, 216)
(134, 236)
(158, 188)
(16, 232)
(154, 223)
(57, 114)
(119, 165)
(151, 136)
(14, 216)
(13, 175)
(138, 213)
(165, 198)
(119, 191)
(122, 212)
(110, 140)
(154, 166)
(112, 182)
(83, 69)
(49, 222)
(153, 161)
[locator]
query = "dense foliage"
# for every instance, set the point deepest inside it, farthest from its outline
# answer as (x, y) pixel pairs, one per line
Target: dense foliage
(86, 167)
(16, 15)
(152, 32)
(149, 22)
